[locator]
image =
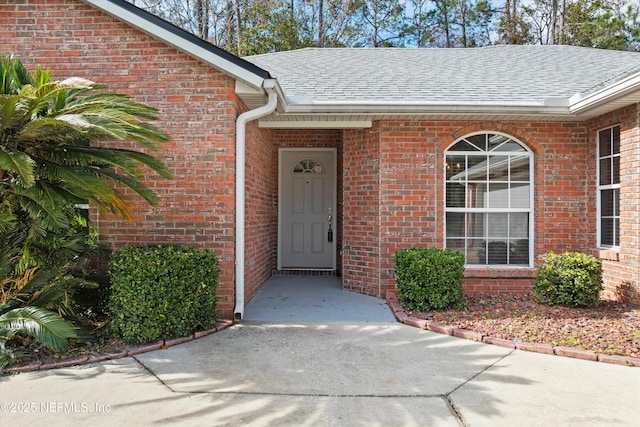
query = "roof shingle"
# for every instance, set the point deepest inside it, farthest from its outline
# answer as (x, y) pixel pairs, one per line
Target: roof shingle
(502, 74)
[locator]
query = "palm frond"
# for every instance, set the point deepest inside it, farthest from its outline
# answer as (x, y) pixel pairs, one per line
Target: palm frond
(19, 288)
(58, 294)
(11, 115)
(7, 219)
(158, 166)
(40, 208)
(52, 130)
(135, 185)
(46, 327)
(50, 124)
(13, 75)
(81, 181)
(41, 77)
(119, 116)
(19, 163)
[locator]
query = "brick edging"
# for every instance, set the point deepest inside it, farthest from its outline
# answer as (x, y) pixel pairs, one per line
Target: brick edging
(93, 358)
(402, 317)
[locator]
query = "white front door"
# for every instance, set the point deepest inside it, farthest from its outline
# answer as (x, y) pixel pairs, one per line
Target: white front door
(307, 206)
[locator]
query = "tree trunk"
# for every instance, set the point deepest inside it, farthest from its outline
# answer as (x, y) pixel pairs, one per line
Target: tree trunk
(238, 22)
(554, 20)
(463, 21)
(320, 23)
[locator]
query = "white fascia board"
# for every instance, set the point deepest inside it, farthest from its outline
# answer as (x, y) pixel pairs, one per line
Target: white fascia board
(194, 50)
(579, 103)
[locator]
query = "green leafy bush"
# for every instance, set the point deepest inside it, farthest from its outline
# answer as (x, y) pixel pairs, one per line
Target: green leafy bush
(429, 278)
(162, 291)
(572, 279)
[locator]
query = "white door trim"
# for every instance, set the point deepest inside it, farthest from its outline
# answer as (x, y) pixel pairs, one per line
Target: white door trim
(334, 203)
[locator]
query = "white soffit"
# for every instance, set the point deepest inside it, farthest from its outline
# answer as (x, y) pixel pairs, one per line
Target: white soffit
(326, 123)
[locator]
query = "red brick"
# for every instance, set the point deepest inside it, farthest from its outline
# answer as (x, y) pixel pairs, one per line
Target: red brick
(145, 348)
(575, 353)
(175, 341)
(401, 316)
(416, 323)
(619, 360)
(498, 341)
(65, 363)
(536, 348)
(441, 329)
(466, 334)
(107, 356)
(32, 367)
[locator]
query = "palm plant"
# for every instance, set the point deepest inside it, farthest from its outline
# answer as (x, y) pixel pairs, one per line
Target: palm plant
(50, 162)
(33, 304)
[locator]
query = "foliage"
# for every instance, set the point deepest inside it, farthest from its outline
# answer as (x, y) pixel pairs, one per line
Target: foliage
(49, 163)
(46, 327)
(594, 23)
(512, 26)
(261, 26)
(382, 22)
(33, 304)
(571, 279)
(269, 26)
(429, 278)
(162, 291)
(610, 24)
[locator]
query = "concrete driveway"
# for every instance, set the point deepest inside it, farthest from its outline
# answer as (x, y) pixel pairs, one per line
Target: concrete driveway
(328, 374)
(350, 371)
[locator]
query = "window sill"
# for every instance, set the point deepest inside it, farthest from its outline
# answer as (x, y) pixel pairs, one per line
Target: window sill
(608, 254)
(515, 272)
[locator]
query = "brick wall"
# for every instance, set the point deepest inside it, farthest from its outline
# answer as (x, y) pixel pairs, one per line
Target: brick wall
(621, 267)
(390, 183)
(197, 105)
(362, 229)
(407, 209)
(261, 210)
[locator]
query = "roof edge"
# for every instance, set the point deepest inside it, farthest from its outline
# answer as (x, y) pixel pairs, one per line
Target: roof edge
(425, 108)
(579, 103)
(183, 40)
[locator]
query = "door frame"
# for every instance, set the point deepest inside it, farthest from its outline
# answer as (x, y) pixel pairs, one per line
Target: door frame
(334, 203)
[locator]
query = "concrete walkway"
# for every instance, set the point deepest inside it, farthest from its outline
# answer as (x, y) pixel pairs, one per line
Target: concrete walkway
(327, 373)
(314, 299)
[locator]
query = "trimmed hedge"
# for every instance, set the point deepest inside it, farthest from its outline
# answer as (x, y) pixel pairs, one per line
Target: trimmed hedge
(572, 279)
(429, 278)
(161, 292)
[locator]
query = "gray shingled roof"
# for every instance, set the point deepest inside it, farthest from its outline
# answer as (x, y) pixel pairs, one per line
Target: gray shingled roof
(511, 75)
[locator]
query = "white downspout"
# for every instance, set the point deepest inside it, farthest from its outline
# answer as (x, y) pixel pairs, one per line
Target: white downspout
(241, 128)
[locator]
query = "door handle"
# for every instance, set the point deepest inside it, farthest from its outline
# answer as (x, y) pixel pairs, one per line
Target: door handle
(330, 232)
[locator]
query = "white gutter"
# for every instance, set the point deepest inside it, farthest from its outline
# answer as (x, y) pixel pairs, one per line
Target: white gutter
(629, 85)
(241, 130)
(338, 108)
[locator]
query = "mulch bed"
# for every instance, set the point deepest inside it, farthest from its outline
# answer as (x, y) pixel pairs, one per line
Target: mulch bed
(611, 328)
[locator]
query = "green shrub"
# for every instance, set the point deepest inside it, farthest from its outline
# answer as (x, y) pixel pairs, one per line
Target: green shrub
(572, 279)
(162, 291)
(429, 278)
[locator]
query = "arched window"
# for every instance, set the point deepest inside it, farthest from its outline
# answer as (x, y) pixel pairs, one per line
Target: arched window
(308, 166)
(489, 197)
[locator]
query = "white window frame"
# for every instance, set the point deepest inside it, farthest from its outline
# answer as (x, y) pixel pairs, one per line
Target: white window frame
(530, 210)
(601, 188)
